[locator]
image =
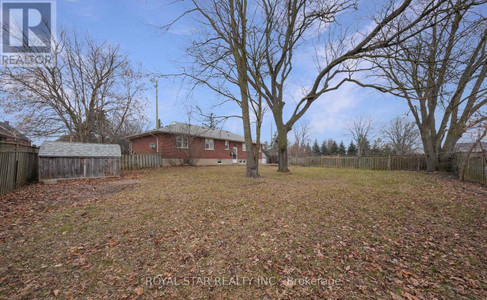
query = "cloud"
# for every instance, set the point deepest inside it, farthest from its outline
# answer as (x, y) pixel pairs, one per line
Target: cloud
(331, 113)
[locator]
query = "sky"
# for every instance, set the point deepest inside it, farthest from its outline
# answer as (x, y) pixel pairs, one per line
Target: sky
(134, 25)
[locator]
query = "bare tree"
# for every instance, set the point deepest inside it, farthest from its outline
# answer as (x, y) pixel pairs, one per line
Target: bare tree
(210, 121)
(283, 29)
(188, 144)
(441, 73)
(301, 139)
(362, 131)
(187, 138)
(89, 91)
(402, 135)
(221, 61)
(129, 128)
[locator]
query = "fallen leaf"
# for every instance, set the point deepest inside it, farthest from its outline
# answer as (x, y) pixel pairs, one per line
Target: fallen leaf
(140, 290)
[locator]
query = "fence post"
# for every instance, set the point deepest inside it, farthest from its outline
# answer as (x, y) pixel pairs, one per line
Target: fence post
(389, 162)
(16, 165)
(484, 182)
(321, 161)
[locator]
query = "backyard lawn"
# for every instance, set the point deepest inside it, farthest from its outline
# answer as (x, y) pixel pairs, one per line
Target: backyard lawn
(208, 232)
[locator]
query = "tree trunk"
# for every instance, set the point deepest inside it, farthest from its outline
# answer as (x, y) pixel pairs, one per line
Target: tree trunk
(252, 159)
(283, 164)
(431, 155)
(282, 149)
(252, 165)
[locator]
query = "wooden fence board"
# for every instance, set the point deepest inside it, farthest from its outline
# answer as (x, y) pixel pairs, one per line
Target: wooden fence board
(18, 166)
(79, 167)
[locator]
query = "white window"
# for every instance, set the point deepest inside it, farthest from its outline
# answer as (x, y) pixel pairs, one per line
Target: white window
(209, 144)
(244, 147)
(227, 145)
(182, 142)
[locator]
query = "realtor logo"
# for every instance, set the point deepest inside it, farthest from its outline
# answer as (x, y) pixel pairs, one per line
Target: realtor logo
(28, 31)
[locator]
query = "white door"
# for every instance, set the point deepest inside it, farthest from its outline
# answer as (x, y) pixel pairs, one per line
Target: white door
(234, 155)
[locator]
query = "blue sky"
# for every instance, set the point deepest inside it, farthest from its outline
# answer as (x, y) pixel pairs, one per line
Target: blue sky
(132, 24)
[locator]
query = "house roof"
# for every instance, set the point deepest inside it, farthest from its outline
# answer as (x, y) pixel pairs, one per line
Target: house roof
(67, 149)
(7, 130)
(194, 130)
(465, 147)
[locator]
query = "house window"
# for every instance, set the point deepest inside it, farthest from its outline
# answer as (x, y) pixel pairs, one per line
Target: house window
(244, 147)
(227, 145)
(182, 142)
(243, 161)
(209, 144)
(220, 161)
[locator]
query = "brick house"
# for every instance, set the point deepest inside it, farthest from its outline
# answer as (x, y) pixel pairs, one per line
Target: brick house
(9, 134)
(181, 143)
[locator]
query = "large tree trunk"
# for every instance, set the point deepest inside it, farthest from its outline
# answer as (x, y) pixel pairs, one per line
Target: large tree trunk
(282, 148)
(252, 159)
(252, 165)
(283, 164)
(431, 154)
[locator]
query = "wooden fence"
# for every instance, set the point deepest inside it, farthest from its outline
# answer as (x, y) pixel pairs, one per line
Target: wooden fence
(475, 169)
(139, 161)
(78, 167)
(18, 166)
(410, 163)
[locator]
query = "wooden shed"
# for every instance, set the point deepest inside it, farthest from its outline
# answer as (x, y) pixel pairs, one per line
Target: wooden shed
(78, 160)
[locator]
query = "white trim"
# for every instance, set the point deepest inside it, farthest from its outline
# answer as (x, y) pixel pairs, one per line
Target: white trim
(227, 145)
(235, 150)
(183, 138)
(212, 144)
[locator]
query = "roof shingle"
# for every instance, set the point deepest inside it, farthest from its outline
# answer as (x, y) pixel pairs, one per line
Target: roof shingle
(66, 149)
(195, 130)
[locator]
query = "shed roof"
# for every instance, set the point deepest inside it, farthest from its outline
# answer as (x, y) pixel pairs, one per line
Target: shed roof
(194, 130)
(67, 149)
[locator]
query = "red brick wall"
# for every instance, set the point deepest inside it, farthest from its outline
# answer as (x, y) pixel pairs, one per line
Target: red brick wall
(14, 140)
(168, 149)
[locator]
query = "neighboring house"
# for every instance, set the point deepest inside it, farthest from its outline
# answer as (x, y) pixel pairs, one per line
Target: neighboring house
(181, 143)
(11, 135)
(465, 147)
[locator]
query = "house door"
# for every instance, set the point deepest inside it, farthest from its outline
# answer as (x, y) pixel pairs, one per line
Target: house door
(234, 155)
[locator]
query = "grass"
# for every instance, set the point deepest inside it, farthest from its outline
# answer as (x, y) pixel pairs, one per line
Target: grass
(358, 233)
